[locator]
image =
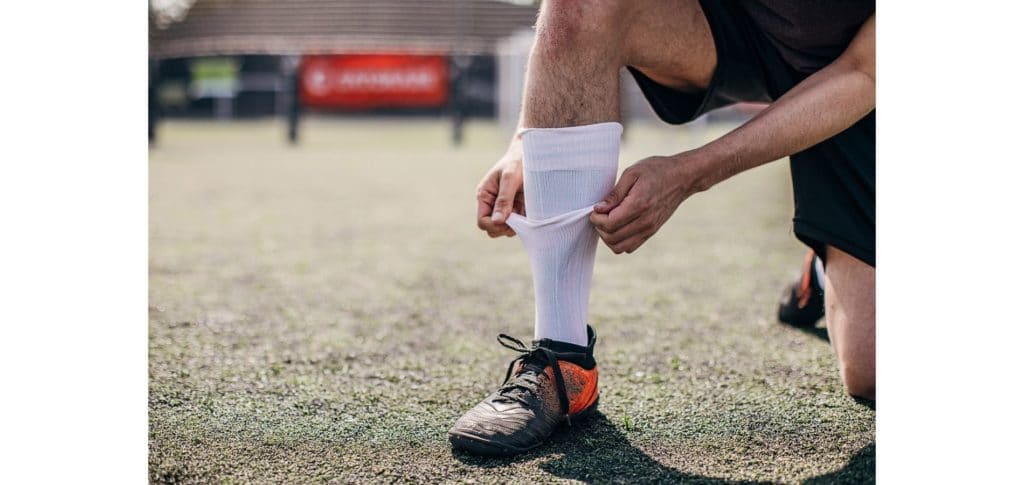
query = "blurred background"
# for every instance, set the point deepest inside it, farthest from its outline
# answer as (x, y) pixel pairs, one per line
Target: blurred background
(322, 306)
(445, 59)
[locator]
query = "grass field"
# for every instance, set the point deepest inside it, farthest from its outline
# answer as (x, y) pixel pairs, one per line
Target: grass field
(323, 313)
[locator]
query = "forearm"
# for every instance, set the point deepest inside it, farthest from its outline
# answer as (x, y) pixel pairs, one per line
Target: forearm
(821, 106)
(818, 108)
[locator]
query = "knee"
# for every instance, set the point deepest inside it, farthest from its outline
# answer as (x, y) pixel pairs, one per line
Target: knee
(569, 24)
(858, 377)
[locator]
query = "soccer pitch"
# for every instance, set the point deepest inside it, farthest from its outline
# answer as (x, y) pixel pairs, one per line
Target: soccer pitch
(324, 312)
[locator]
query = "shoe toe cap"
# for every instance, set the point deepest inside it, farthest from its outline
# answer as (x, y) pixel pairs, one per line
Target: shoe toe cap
(511, 427)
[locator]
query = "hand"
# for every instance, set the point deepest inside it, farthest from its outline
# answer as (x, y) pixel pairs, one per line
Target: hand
(646, 195)
(500, 193)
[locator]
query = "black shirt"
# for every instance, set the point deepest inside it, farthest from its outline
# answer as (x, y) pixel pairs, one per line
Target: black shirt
(809, 34)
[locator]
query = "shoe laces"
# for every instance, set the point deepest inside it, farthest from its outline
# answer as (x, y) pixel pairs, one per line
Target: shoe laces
(534, 359)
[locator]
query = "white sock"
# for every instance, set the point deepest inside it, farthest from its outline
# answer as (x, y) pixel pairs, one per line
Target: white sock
(819, 268)
(565, 172)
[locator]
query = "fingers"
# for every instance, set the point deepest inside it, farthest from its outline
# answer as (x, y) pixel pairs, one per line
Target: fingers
(617, 194)
(493, 197)
(639, 226)
(630, 237)
(623, 219)
(508, 232)
(630, 245)
(620, 206)
(519, 205)
(495, 230)
(509, 184)
(625, 213)
(485, 204)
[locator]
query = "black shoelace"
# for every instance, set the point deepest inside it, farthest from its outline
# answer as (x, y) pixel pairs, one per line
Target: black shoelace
(534, 359)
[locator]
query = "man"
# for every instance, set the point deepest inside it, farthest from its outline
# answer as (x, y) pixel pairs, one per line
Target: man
(813, 60)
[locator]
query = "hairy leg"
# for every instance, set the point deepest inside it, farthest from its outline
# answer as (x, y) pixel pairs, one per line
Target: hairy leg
(850, 315)
(569, 149)
(573, 72)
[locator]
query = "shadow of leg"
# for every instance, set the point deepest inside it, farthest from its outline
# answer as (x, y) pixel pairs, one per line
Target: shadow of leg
(595, 451)
(860, 469)
(820, 332)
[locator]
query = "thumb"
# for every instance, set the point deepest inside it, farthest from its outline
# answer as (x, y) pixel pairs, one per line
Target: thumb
(614, 198)
(509, 186)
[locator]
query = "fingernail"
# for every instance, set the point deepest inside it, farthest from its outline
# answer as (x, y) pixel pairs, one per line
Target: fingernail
(601, 205)
(496, 216)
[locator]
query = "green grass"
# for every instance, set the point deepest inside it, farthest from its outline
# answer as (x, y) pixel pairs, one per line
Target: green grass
(325, 312)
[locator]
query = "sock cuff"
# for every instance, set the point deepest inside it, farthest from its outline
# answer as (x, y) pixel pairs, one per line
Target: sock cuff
(559, 221)
(586, 147)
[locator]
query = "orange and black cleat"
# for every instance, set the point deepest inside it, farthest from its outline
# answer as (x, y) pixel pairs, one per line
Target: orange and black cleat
(803, 302)
(550, 384)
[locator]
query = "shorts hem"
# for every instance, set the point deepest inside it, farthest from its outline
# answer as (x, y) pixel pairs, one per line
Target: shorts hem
(679, 107)
(818, 239)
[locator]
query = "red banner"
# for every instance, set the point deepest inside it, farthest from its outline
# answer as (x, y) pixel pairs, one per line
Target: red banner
(363, 81)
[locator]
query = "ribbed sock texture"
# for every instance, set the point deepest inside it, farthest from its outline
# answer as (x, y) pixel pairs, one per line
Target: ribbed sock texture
(565, 172)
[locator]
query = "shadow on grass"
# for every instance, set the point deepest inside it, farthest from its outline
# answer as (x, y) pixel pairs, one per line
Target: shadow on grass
(860, 469)
(820, 332)
(596, 451)
(815, 330)
(865, 402)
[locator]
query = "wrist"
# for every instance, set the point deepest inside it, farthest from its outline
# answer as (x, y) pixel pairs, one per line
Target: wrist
(694, 171)
(515, 147)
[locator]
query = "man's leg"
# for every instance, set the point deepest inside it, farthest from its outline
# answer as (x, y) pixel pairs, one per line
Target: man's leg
(573, 73)
(570, 155)
(570, 151)
(850, 315)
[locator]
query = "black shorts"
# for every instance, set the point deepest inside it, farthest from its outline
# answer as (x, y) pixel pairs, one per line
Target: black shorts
(833, 181)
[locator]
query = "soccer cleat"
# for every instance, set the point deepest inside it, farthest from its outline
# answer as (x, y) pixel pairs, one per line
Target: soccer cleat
(550, 383)
(803, 302)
